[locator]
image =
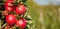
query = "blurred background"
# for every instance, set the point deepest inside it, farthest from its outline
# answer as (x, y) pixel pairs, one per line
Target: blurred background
(45, 14)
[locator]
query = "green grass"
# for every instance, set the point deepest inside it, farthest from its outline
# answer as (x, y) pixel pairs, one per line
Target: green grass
(50, 16)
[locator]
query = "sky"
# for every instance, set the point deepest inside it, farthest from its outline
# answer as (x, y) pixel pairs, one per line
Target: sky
(46, 2)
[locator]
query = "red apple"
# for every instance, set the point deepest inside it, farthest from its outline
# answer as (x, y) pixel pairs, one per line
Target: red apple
(10, 1)
(9, 9)
(10, 19)
(21, 9)
(21, 23)
(7, 4)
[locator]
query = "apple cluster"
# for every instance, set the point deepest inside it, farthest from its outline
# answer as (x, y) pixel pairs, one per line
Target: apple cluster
(11, 18)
